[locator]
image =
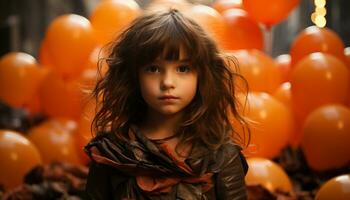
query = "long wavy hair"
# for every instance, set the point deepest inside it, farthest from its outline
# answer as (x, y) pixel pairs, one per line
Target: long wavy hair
(208, 117)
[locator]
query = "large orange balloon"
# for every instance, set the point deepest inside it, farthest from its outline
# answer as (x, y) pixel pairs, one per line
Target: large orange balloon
(242, 31)
(326, 137)
(284, 65)
(211, 21)
(70, 40)
(223, 5)
(337, 188)
(268, 174)
(271, 12)
(18, 155)
(61, 98)
(54, 143)
(314, 39)
(110, 17)
(20, 77)
(317, 80)
(271, 124)
(259, 69)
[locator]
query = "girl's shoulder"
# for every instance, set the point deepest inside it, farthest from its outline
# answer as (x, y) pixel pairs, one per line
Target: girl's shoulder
(229, 153)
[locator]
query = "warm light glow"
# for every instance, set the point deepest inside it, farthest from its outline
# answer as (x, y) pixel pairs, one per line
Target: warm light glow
(313, 17)
(318, 17)
(321, 11)
(320, 21)
(320, 3)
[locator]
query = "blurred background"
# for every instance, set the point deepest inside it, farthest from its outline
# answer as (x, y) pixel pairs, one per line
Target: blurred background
(23, 23)
(294, 54)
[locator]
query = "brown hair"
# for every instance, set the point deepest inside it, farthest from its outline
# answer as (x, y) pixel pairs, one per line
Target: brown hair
(162, 33)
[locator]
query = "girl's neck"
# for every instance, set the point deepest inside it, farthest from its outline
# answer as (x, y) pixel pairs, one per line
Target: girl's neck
(158, 126)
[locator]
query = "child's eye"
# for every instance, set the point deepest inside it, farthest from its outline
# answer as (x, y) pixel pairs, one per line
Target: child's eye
(184, 68)
(152, 69)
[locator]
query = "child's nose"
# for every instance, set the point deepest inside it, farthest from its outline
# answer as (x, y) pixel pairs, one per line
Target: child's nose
(168, 81)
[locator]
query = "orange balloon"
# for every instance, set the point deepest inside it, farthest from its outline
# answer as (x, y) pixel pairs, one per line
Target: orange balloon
(33, 106)
(326, 137)
(242, 31)
(44, 58)
(18, 156)
(317, 80)
(268, 174)
(210, 20)
(70, 40)
(20, 77)
(54, 143)
(270, 124)
(66, 124)
(61, 98)
(85, 134)
(269, 13)
(110, 17)
(97, 61)
(259, 69)
(284, 94)
(223, 5)
(337, 188)
(314, 39)
(284, 65)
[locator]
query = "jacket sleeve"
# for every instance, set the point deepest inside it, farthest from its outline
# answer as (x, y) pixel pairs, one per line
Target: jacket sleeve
(230, 184)
(98, 185)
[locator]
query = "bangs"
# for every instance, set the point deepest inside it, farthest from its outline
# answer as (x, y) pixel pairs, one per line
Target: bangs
(172, 38)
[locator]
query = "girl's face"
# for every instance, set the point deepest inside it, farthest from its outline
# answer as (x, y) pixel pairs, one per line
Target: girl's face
(168, 86)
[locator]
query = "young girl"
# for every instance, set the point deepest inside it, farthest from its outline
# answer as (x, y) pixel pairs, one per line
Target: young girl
(163, 126)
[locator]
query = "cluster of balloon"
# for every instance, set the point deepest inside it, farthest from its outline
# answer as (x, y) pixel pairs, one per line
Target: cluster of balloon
(271, 124)
(269, 174)
(336, 188)
(328, 74)
(314, 39)
(326, 137)
(55, 140)
(18, 156)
